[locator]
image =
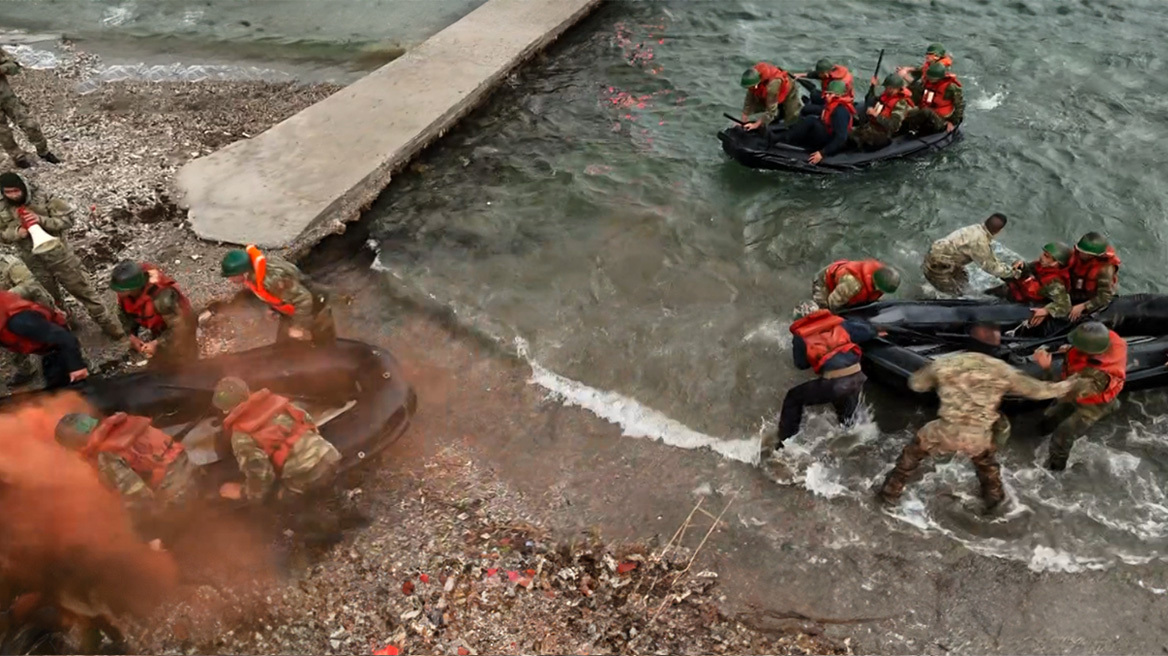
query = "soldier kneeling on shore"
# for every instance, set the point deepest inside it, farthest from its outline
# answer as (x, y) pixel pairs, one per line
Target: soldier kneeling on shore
(304, 313)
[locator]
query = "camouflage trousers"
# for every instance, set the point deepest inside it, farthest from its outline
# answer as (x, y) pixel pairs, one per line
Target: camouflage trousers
(939, 437)
(1067, 422)
(13, 109)
(60, 267)
(870, 137)
(923, 121)
(178, 484)
(946, 278)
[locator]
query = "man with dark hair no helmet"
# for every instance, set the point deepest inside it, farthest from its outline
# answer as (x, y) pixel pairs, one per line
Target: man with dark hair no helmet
(944, 265)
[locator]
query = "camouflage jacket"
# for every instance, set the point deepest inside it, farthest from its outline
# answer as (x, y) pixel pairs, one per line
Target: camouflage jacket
(1104, 289)
(965, 245)
(1054, 291)
(1088, 382)
(771, 106)
(116, 473)
(8, 65)
(952, 93)
(971, 387)
(284, 280)
(16, 277)
(891, 124)
(846, 287)
(56, 217)
(256, 465)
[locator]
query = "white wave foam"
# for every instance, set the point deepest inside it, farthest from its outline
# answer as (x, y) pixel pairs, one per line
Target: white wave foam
(1155, 591)
(33, 58)
(1046, 559)
(992, 101)
(822, 481)
(635, 419)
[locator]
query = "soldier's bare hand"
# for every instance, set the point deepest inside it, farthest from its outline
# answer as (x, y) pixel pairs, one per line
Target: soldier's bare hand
(1043, 358)
(298, 333)
(754, 125)
(232, 491)
(80, 374)
(1077, 311)
(949, 127)
(22, 232)
(816, 157)
(149, 348)
(1037, 317)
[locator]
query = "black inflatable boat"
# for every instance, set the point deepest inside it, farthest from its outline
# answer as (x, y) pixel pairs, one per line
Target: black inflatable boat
(919, 331)
(761, 150)
(355, 392)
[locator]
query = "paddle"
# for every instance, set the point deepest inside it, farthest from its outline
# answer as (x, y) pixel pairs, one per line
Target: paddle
(298, 397)
(879, 61)
(738, 121)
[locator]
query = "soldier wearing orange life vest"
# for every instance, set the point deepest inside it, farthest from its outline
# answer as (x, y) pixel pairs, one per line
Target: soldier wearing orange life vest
(31, 329)
(274, 441)
(1094, 275)
(768, 88)
(1098, 356)
(148, 468)
(940, 103)
(885, 114)
(935, 53)
(828, 345)
(1045, 280)
(149, 300)
(845, 283)
(304, 314)
(827, 133)
(827, 71)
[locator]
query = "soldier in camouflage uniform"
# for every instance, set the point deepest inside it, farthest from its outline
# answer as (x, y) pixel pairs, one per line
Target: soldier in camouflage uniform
(844, 284)
(1097, 357)
(970, 386)
(150, 301)
(944, 265)
(13, 109)
(935, 53)
(56, 268)
(1043, 280)
(885, 114)
(145, 492)
(1094, 275)
(776, 82)
(16, 278)
(940, 103)
(286, 447)
(305, 313)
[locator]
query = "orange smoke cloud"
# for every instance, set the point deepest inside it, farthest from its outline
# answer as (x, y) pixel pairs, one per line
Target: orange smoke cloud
(64, 533)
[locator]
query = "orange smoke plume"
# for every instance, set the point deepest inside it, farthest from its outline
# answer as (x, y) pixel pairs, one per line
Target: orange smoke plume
(64, 534)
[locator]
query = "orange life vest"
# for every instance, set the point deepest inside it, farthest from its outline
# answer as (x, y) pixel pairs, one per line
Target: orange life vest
(770, 73)
(1028, 289)
(259, 266)
(147, 450)
(1113, 362)
(12, 304)
(837, 101)
(933, 59)
(933, 96)
(824, 336)
(839, 73)
(141, 308)
(1084, 272)
(862, 270)
(255, 417)
(889, 100)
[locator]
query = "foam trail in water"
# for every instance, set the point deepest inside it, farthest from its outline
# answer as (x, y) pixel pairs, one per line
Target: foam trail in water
(992, 101)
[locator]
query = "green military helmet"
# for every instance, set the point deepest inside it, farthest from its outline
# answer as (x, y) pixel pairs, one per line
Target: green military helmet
(804, 309)
(936, 71)
(824, 66)
(838, 87)
(235, 263)
(894, 81)
(230, 392)
(750, 77)
(1092, 243)
(127, 276)
(936, 49)
(74, 428)
(1059, 251)
(886, 279)
(1092, 338)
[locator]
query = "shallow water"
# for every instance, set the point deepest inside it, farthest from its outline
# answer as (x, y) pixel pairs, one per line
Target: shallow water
(590, 212)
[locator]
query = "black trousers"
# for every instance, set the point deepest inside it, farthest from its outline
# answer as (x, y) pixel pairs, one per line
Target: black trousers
(842, 393)
(809, 133)
(55, 369)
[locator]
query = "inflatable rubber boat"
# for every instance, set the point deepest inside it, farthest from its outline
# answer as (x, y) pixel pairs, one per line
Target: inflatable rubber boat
(919, 331)
(761, 149)
(355, 392)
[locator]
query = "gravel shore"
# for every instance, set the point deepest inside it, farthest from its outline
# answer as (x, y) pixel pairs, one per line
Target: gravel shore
(450, 561)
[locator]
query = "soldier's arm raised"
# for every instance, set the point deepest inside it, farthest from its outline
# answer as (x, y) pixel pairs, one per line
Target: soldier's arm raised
(847, 287)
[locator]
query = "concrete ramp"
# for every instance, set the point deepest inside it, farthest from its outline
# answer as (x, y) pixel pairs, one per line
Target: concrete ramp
(305, 177)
